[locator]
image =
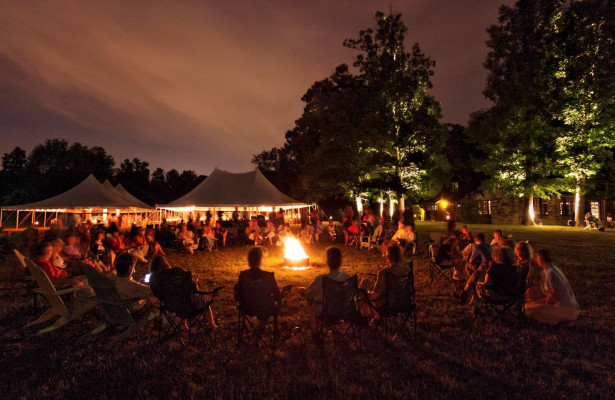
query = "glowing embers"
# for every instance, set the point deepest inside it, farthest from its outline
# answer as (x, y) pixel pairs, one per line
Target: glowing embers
(294, 255)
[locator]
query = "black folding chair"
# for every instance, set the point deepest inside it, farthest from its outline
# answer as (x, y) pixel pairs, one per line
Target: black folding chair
(180, 304)
(258, 311)
(399, 307)
(497, 303)
(440, 263)
(340, 312)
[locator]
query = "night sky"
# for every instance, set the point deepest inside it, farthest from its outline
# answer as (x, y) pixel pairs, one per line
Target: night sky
(198, 84)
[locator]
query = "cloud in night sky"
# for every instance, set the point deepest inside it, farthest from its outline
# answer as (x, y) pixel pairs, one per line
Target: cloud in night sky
(198, 84)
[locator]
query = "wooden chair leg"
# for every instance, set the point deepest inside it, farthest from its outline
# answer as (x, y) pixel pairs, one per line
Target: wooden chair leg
(46, 316)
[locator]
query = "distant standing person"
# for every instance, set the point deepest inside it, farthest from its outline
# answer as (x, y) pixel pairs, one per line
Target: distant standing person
(408, 216)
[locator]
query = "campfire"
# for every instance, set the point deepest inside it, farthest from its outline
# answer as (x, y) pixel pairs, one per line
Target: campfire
(294, 255)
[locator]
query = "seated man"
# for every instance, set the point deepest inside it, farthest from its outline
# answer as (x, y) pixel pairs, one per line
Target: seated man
(126, 287)
(314, 292)
(477, 254)
(498, 239)
(405, 237)
(396, 266)
(284, 232)
(186, 237)
(220, 234)
(306, 234)
(255, 273)
(208, 240)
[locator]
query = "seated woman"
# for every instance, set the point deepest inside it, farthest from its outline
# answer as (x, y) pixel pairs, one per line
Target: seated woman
(284, 232)
(558, 303)
(351, 234)
(72, 250)
(319, 229)
(528, 272)
(41, 255)
(138, 246)
(270, 233)
(118, 241)
(186, 237)
(100, 251)
(208, 241)
(377, 290)
(220, 234)
(155, 249)
(306, 234)
(159, 264)
(454, 254)
(252, 232)
(332, 231)
(466, 236)
(57, 258)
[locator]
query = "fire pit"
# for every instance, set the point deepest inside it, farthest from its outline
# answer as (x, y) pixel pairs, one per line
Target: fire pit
(294, 255)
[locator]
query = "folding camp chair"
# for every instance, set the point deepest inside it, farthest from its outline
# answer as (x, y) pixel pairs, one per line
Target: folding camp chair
(65, 311)
(115, 311)
(399, 306)
(373, 241)
(180, 303)
(440, 264)
(497, 305)
(258, 311)
(340, 312)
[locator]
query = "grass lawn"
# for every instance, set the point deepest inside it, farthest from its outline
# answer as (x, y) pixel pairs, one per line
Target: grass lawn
(454, 355)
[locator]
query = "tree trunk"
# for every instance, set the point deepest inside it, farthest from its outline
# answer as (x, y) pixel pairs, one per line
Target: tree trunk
(528, 216)
(401, 204)
(579, 208)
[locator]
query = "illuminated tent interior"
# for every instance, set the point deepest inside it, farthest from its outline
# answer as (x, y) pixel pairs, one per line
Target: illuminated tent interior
(89, 197)
(223, 191)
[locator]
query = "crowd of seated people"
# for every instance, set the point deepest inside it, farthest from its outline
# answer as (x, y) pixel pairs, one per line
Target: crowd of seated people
(502, 270)
(485, 269)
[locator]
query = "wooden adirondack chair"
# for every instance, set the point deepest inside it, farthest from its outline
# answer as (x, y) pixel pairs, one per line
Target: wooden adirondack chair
(58, 308)
(114, 309)
(372, 241)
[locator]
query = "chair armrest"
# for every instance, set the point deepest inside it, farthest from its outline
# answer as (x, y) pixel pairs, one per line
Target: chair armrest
(285, 291)
(62, 291)
(215, 291)
(116, 302)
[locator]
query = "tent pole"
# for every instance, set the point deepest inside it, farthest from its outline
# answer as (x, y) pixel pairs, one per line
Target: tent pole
(45, 219)
(17, 222)
(0, 217)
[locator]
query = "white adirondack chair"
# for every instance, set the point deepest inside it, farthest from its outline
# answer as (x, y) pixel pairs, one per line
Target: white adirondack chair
(371, 241)
(65, 312)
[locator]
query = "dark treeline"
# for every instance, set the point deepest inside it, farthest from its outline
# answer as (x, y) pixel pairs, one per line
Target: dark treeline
(56, 166)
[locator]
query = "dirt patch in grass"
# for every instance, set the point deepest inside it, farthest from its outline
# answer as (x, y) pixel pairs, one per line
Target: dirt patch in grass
(454, 355)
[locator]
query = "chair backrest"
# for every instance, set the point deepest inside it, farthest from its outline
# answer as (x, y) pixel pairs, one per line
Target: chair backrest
(378, 232)
(399, 291)
(21, 258)
(339, 299)
(106, 292)
(442, 253)
(46, 287)
(174, 288)
(254, 295)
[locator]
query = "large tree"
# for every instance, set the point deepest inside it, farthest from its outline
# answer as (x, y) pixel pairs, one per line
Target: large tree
(373, 130)
(587, 107)
(403, 121)
(517, 134)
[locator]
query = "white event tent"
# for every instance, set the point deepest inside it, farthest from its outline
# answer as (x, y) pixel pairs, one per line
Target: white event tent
(88, 197)
(225, 191)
